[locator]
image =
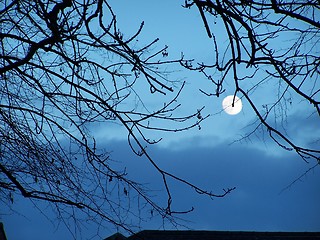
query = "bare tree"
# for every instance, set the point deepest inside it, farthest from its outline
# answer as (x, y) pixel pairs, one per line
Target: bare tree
(258, 43)
(64, 66)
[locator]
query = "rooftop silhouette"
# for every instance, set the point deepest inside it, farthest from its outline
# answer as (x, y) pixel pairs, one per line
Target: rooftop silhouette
(215, 235)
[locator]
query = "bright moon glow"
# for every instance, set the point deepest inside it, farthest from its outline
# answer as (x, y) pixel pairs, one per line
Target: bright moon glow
(227, 105)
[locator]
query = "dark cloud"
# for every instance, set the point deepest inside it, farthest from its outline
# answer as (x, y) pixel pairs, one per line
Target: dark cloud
(257, 204)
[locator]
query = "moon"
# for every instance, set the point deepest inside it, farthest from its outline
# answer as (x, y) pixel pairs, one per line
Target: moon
(229, 107)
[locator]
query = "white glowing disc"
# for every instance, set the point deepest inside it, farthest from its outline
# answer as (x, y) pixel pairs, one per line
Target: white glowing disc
(232, 105)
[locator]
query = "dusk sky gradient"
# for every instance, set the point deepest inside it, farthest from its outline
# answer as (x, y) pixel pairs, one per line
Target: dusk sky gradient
(212, 158)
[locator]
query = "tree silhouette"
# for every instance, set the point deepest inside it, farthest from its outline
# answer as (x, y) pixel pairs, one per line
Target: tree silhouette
(268, 43)
(65, 66)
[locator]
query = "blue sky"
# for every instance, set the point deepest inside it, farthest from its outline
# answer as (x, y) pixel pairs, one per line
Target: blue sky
(260, 170)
